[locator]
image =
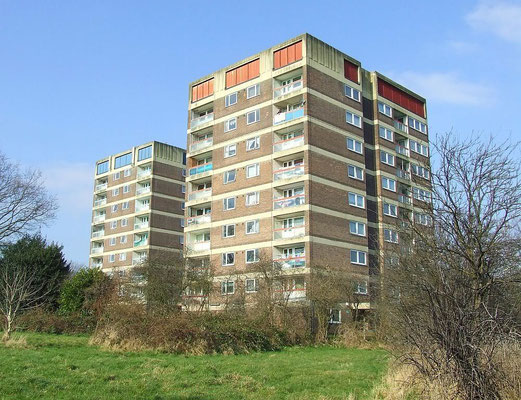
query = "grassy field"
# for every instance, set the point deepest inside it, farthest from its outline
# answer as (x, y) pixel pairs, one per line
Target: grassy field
(66, 367)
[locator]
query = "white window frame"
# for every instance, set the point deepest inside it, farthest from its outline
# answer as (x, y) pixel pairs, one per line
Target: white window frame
(226, 203)
(256, 87)
(353, 119)
(230, 150)
(255, 285)
(112, 241)
(385, 109)
(122, 256)
(225, 232)
(126, 188)
(352, 93)
(115, 192)
(420, 171)
(226, 178)
(357, 225)
(112, 258)
(256, 256)
(225, 287)
(116, 176)
(361, 287)
(123, 239)
(358, 253)
(255, 195)
(183, 188)
(386, 133)
(256, 143)
(357, 197)
(390, 235)
(114, 208)
(387, 158)
(422, 195)
(256, 168)
(355, 144)
(228, 99)
(113, 224)
(390, 207)
(418, 125)
(419, 148)
(355, 172)
(227, 125)
(388, 184)
(125, 205)
(255, 224)
(256, 114)
(334, 312)
(224, 258)
(124, 222)
(127, 172)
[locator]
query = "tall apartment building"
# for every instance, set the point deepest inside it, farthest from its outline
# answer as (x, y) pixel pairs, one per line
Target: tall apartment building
(299, 154)
(138, 206)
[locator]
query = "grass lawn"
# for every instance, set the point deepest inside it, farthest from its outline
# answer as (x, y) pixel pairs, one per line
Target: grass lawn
(66, 367)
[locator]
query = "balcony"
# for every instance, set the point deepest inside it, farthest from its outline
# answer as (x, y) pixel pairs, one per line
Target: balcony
(97, 234)
(291, 262)
(288, 116)
(99, 218)
(292, 201)
(288, 144)
(401, 126)
(203, 119)
(295, 294)
(201, 168)
(401, 173)
(404, 151)
(286, 89)
(289, 233)
(141, 225)
(199, 219)
(101, 186)
(141, 242)
(96, 264)
(200, 246)
(200, 194)
(201, 144)
(288, 172)
(97, 250)
(402, 198)
(100, 202)
(142, 207)
(142, 173)
(139, 260)
(142, 190)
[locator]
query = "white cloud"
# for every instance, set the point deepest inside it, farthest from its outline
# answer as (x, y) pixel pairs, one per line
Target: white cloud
(446, 87)
(500, 18)
(461, 47)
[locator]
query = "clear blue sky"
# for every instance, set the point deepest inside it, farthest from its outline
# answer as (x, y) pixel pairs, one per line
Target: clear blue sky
(81, 80)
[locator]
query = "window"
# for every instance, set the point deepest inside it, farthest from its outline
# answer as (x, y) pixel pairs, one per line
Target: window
(390, 210)
(357, 228)
(182, 205)
(228, 259)
(229, 203)
(230, 150)
(385, 109)
(423, 219)
(228, 287)
(183, 172)
(420, 171)
(228, 230)
(123, 160)
(252, 256)
(125, 205)
(112, 241)
(124, 222)
(122, 256)
(123, 239)
(112, 258)
(420, 194)
(358, 257)
(252, 285)
(361, 287)
(128, 172)
(230, 125)
(390, 236)
(419, 126)
(252, 170)
(389, 184)
(419, 148)
(229, 176)
(182, 222)
(115, 192)
(355, 172)
(252, 144)
(356, 200)
(126, 188)
(183, 188)
(116, 176)
(335, 316)
(114, 208)
(353, 119)
(252, 198)
(144, 153)
(352, 93)
(181, 240)
(386, 158)
(252, 117)
(253, 91)
(385, 133)
(252, 227)
(113, 224)
(102, 167)
(230, 99)
(354, 145)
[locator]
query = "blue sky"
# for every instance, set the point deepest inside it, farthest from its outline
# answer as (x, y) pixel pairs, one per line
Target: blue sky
(83, 79)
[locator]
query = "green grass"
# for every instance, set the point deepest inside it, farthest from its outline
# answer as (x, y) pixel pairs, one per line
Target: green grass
(66, 367)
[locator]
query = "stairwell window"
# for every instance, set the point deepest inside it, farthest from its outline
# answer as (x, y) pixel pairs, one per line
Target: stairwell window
(353, 119)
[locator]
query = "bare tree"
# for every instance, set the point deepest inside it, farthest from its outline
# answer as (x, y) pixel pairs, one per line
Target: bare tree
(24, 201)
(448, 293)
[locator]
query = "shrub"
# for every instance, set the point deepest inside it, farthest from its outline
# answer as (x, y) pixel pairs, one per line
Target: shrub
(78, 293)
(42, 320)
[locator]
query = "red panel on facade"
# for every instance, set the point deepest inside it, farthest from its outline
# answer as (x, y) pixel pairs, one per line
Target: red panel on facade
(243, 73)
(202, 90)
(351, 71)
(287, 55)
(401, 98)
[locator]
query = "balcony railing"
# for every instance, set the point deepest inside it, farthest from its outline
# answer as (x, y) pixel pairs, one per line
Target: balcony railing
(142, 207)
(285, 89)
(97, 234)
(142, 190)
(200, 246)
(99, 218)
(289, 233)
(292, 201)
(141, 242)
(401, 173)
(199, 194)
(100, 202)
(144, 172)
(141, 225)
(199, 219)
(97, 250)
(201, 144)
(96, 264)
(201, 168)
(404, 151)
(289, 172)
(101, 186)
(201, 120)
(295, 294)
(288, 116)
(288, 143)
(401, 126)
(291, 262)
(404, 199)
(139, 260)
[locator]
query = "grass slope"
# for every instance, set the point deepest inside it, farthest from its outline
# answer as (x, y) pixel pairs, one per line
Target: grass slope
(66, 367)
